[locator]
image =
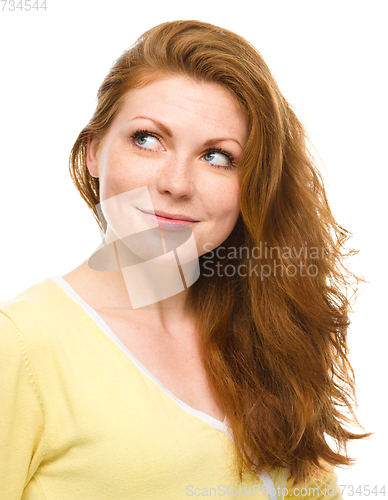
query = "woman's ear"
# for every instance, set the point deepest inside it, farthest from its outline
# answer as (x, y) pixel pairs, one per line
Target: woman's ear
(91, 155)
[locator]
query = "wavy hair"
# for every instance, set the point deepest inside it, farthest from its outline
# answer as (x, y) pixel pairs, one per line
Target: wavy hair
(276, 351)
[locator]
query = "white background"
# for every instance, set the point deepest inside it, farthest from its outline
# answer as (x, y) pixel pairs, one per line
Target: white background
(329, 59)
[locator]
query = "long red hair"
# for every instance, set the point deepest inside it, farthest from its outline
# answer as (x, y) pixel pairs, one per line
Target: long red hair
(274, 337)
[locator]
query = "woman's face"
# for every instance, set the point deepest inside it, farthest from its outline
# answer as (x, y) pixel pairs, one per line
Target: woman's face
(181, 140)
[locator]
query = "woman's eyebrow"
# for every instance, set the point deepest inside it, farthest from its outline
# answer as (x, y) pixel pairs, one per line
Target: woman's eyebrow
(168, 132)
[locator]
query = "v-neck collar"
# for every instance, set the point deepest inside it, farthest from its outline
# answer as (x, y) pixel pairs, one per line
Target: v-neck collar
(97, 319)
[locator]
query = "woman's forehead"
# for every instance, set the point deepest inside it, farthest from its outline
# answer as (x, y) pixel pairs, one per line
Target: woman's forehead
(179, 98)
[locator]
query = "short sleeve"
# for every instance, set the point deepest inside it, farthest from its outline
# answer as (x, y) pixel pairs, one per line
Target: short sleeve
(21, 414)
(327, 487)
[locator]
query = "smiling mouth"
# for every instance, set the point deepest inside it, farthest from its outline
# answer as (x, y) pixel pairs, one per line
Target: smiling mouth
(167, 223)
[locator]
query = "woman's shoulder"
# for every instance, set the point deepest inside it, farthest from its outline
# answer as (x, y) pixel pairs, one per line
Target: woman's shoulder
(35, 296)
(50, 333)
(40, 315)
(40, 303)
(25, 318)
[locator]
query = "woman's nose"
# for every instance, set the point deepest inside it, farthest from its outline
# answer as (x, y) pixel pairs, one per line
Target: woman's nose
(177, 178)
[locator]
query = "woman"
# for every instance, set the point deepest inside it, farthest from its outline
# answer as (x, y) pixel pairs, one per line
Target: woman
(205, 356)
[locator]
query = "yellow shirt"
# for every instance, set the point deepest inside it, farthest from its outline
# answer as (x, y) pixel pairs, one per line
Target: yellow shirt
(82, 419)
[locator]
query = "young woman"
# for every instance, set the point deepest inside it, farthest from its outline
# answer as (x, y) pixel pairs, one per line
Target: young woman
(210, 362)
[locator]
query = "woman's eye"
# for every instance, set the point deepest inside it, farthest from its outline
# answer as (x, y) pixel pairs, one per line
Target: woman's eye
(147, 141)
(221, 158)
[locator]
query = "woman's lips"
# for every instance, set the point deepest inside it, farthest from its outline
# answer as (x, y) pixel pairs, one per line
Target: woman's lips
(166, 223)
